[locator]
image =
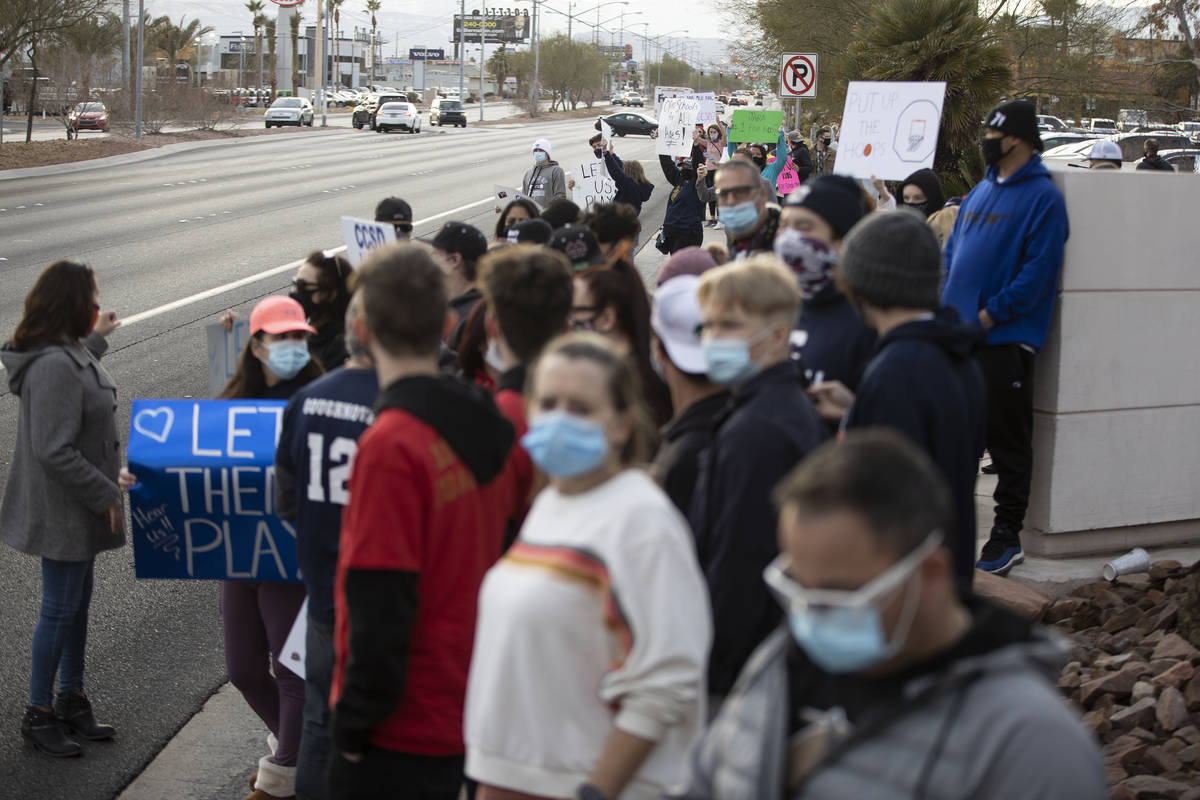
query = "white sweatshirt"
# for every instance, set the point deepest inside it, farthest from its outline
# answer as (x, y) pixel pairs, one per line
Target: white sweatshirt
(597, 617)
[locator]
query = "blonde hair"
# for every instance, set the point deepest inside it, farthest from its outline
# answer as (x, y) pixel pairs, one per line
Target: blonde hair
(942, 222)
(635, 170)
(758, 285)
(718, 251)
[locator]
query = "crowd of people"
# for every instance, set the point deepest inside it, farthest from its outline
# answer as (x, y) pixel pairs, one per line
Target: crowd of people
(716, 539)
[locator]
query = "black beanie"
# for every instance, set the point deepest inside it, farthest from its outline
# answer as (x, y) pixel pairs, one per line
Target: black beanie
(834, 198)
(1016, 118)
(892, 260)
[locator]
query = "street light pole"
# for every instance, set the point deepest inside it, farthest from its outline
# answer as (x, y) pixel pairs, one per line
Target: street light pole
(137, 113)
(462, 49)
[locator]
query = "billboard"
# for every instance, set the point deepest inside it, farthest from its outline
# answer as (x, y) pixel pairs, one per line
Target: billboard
(499, 26)
(426, 54)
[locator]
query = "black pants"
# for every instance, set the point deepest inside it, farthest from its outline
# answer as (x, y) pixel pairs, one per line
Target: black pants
(1008, 373)
(679, 238)
(388, 774)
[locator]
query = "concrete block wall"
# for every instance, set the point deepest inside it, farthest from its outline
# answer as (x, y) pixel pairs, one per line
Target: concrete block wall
(1117, 387)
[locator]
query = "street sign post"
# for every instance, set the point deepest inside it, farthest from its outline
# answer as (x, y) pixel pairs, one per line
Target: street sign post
(798, 75)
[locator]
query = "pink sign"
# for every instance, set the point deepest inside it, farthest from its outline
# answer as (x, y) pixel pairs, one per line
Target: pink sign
(788, 180)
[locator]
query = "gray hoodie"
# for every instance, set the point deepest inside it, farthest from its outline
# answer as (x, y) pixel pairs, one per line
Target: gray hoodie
(988, 725)
(63, 477)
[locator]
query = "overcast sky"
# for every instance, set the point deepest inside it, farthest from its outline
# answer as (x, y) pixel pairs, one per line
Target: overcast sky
(432, 25)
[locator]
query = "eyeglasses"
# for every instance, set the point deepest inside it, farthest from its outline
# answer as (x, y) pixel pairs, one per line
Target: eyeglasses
(736, 194)
(794, 596)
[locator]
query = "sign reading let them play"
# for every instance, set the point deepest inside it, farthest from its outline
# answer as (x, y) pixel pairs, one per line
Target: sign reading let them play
(798, 75)
(204, 504)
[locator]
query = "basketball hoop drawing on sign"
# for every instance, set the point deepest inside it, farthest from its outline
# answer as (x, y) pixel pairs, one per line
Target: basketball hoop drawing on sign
(915, 137)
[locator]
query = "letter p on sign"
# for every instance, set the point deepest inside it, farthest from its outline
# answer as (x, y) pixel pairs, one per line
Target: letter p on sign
(798, 75)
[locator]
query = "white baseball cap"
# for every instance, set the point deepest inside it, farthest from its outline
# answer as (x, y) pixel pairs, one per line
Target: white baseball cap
(676, 321)
(1105, 150)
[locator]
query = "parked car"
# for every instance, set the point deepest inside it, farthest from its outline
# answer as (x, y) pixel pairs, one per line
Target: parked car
(1046, 122)
(398, 115)
(635, 99)
(1102, 125)
(1182, 159)
(289, 111)
(88, 116)
(1054, 139)
(447, 111)
(1133, 145)
(630, 123)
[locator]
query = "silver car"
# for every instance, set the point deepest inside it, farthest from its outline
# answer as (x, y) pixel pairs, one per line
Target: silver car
(289, 111)
(398, 115)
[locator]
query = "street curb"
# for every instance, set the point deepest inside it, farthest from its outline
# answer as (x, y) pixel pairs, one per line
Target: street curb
(161, 152)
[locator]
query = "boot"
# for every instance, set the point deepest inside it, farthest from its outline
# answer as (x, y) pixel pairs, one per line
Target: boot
(273, 782)
(42, 730)
(74, 711)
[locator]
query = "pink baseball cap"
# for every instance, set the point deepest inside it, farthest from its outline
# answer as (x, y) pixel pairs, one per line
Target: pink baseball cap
(278, 314)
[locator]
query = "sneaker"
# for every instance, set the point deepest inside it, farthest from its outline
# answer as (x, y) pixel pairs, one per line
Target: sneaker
(989, 468)
(719, 226)
(999, 557)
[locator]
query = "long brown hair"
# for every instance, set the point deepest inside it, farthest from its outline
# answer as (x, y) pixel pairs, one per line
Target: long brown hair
(58, 309)
(635, 170)
(250, 381)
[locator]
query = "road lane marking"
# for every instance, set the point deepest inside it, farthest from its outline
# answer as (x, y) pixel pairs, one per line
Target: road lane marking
(268, 273)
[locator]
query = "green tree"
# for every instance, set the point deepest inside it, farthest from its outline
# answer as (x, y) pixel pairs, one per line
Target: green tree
(175, 40)
(572, 71)
(373, 6)
(23, 22)
(269, 27)
(1184, 15)
(939, 40)
(92, 40)
(257, 19)
(336, 7)
(294, 25)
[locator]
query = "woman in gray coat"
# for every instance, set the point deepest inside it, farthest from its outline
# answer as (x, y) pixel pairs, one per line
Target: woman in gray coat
(62, 501)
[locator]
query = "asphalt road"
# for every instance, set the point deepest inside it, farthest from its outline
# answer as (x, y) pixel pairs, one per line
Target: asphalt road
(175, 241)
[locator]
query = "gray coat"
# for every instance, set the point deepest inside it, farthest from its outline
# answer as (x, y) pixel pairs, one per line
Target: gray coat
(987, 727)
(545, 183)
(63, 477)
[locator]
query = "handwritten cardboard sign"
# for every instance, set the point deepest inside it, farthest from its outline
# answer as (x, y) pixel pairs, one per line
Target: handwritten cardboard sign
(708, 106)
(593, 184)
(204, 505)
(662, 93)
(755, 126)
(224, 350)
(675, 126)
(788, 180)
(889, 129)
(364, 235)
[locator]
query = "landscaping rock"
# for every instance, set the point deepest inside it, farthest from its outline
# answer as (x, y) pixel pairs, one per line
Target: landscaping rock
(1175, 646)
(1176, 676)
(1171, 710)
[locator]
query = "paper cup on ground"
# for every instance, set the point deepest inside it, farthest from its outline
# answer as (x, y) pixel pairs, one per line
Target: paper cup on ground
(1136, 560)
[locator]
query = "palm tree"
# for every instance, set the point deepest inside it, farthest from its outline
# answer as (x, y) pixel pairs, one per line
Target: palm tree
(257, 19)
(939, 40)
(92, 39)
(372, 7)
(294, 24)
(336, 7)
(269, 27)
(174, 39)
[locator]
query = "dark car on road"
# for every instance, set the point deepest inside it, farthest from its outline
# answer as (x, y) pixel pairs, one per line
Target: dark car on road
(447, 111)
(630, 123)
(88, 116)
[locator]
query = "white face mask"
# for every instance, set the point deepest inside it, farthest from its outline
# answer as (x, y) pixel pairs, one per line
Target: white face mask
(492, 356)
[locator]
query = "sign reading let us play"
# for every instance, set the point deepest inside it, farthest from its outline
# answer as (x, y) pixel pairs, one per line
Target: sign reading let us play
(204, 505)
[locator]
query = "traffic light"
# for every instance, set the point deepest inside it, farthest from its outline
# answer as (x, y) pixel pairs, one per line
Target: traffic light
(735, 75)
(721, 72)
(702, 72)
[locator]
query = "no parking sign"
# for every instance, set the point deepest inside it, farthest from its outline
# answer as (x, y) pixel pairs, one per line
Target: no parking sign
(798, 75)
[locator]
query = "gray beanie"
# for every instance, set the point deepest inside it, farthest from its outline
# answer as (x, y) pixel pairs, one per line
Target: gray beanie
(892, 260)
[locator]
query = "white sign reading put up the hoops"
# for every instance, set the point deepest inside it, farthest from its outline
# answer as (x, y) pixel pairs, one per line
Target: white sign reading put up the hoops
(889, 129)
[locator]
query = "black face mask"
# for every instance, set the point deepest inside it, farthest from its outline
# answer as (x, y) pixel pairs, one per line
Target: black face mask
(305, 299)
(922, 207)
(760, 162)
(993, 149)
(687, 174)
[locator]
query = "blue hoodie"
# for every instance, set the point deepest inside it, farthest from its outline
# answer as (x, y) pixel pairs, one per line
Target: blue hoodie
(1005, 252)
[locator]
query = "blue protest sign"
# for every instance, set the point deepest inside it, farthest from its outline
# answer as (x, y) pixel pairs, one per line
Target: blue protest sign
(204, 506)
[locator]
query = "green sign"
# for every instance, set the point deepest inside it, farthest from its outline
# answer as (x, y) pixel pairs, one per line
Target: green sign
(755, 126)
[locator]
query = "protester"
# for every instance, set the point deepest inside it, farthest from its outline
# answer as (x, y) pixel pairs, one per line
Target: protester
(258, 615)
(321, 287)
(695, 400)
(824, 151)
(718, 251)
(942, 223)
(579, 245)
(715, 154)
(922, 380)
(317, 444)
(518, 210)
(748, 309)
(922, 192)
(1105, 154)
(62, 501)
(744, 155)
(831, 342)
(613, 303)
(1004, 257)
(430, 498)
(616, 228)
(750, 224)
(800, 155)
(544, 182)
(683, 221)
(531, 231)
(476, 363)
(1153, 161)
(562, 212)
(601, 592)
(688, 261)
(633, 187)
(529, 291)
(458, 248)
(886, 682)
(398, 213)
(770, 169)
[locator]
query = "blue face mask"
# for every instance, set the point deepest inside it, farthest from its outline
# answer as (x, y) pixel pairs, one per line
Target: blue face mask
(728, 362)
(847, 635)
(564, 445)
(740, 218)
(540, 157)
(287, 357)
